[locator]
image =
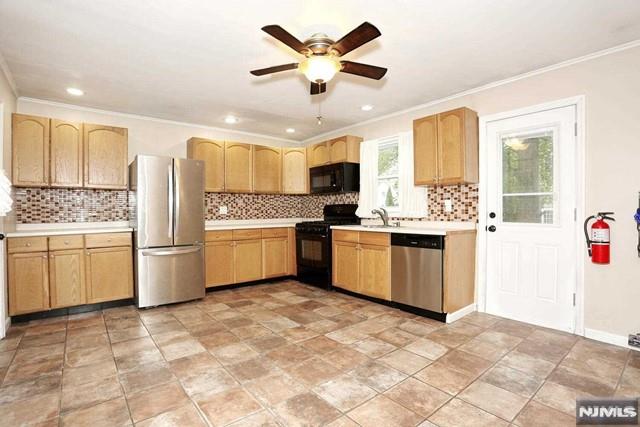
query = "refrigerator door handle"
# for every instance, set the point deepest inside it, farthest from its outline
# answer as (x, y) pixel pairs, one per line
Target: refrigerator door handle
(170, 200)
(176, 195)
(169, 253)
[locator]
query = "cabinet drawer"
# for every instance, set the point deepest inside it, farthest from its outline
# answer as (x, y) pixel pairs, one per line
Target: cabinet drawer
(268, 233)
(27, 244)
(250, 233)
(345, 236)
(218, 236)
(374, 238)
(106, 240)
(66, 242)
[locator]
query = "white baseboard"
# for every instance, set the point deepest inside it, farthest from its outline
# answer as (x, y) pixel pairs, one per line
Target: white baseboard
(7, 323)
(606, 337)
(452, 317)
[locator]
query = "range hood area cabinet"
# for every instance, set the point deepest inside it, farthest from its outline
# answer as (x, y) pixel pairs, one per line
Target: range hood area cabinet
(338, 150)
(235, 167)
(446, 148)
(55, 153)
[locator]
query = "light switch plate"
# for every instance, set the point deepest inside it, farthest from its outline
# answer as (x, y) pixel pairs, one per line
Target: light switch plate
(223, 210)
(448, 206)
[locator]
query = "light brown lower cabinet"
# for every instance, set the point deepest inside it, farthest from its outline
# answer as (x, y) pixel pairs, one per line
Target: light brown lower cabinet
(63, 271)
(219, 269)
(245, 255)
(362, 263)
(28, 275)
(109, 274)
(275, 257)
(67, 278)
(248, 260)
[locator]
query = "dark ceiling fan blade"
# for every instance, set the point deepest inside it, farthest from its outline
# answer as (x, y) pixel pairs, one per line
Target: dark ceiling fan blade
(318, 88)
(356, 38)
(276, 69)
(276, 31)
(364, 70)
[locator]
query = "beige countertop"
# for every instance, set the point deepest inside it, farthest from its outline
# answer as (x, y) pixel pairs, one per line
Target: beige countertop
(412, 227)
(62, 229)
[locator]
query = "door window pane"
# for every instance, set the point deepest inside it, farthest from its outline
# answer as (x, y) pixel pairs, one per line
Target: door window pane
(528, 178)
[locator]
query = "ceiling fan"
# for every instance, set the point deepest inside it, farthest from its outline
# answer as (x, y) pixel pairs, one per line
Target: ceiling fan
(322, 55)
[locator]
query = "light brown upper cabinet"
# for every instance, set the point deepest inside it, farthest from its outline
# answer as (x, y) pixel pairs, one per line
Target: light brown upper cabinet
(212, 153)
(238, 167)
(30, 151)
(425, 150)
(105, 157)
(295, 177)
(345, 149)
(446, 148)
(66, 154)
(267, 169)
(318, 154)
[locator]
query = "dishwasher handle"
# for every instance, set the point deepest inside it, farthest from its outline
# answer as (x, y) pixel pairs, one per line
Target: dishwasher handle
(426, 241)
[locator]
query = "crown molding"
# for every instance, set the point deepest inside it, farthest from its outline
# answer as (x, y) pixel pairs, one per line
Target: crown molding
(153, 119)
(559, 65)
(7, 74)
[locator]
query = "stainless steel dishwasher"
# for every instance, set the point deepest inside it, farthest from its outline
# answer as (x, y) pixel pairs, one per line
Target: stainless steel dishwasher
(416, 270)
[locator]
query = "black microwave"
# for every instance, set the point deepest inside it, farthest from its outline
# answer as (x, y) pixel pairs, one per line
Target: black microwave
(335, 178)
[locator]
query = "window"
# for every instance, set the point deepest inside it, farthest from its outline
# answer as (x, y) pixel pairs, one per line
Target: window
(388, 185)
(527, 178)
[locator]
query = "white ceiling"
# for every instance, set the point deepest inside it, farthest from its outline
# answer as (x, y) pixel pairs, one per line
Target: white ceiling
(189, 60)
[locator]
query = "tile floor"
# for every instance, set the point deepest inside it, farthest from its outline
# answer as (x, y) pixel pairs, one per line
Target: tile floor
(291, 355)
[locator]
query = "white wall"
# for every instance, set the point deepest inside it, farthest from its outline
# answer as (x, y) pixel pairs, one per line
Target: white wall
(611, 85)
(146, 135)
(8, 106)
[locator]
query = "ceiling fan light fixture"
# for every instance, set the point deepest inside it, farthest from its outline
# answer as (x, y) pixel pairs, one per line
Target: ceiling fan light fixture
(320, 68)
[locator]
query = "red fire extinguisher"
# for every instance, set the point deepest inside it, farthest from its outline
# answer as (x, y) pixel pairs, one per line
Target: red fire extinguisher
(599, 240)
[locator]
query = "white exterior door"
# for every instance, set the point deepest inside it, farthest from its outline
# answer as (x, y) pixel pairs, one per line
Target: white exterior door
(531, 199)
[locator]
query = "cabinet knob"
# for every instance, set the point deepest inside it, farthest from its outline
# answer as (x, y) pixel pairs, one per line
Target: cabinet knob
(52, 255)
(66, 242)
(44, 256)
(109, 240)
(28, 245)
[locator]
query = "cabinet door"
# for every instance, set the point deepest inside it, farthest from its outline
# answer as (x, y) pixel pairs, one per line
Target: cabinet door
(212, 153)
(248, 260)
(319, 154)
(219, 264)
(345, 149)
(66, 278)
(105, 157)
(346, 265)
(375, 271)
(66, 154)
(109, 274)
(30, 151)
(295, 175)
(425, 150)
(238, 167)
(275, 257)
(451, 146)
(267, 169)
(28, 275)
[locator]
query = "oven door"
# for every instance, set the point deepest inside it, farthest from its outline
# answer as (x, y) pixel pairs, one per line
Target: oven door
(313, 250)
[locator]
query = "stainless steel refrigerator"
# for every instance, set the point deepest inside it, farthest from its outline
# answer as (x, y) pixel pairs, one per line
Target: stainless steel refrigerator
(168, 223)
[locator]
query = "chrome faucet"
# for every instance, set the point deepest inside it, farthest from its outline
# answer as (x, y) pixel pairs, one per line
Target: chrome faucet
(384, 215)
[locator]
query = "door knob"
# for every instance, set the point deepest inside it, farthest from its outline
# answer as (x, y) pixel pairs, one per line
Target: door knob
(492, 215)
(491, 228)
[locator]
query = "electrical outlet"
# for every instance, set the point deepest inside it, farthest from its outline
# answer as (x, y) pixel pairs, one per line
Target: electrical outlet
(448, 206)
(223, 210)
(634, 340)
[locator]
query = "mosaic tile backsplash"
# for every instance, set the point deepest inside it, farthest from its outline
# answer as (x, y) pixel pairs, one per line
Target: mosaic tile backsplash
(54, 205)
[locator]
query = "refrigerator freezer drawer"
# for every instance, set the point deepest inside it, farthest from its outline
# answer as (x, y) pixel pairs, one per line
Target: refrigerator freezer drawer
(168, 275)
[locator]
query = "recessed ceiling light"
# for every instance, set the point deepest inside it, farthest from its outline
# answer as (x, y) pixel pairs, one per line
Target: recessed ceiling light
(291, 130)
(366, 107)
(230, 120)
(74, 91)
